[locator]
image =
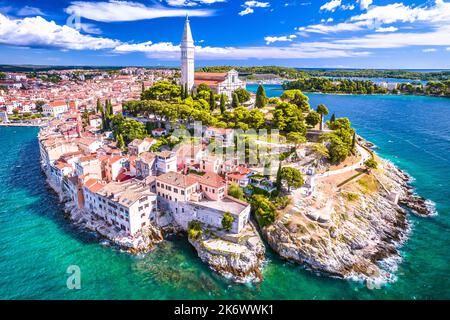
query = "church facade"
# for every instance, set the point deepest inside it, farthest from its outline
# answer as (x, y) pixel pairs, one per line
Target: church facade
(219, 82)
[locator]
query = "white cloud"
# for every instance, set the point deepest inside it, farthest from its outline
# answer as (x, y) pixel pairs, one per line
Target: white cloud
(249, 5)
(30, 11)
(89, 28)
(330, 20)
(429, 50)
(376, 16)
(169, 51)
(38, 32)
(447, 49)
(181, 3)
(256, 4)
(331, 6)
(387, 29)
(398, 12)
(246, 11)
(270, 39)
(116, 10)
(364, 4)
(325, 29)
(347, 7)
(191, 3)
(436, 37)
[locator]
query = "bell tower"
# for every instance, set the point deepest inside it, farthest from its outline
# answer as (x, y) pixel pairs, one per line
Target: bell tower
(187, 57)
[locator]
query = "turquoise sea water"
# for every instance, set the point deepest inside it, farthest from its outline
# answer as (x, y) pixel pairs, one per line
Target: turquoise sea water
(37, 244)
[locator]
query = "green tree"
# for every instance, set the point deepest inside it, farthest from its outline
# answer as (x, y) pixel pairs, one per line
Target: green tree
(296, 138)
(235, 101)
(313, 118)
(333, 119)
(371, 164)
(298, 98)
(260, 97)
(292, 176)
(203, 87)
(354, 141)
(182, 95)
(235, 191)
(243, 95)
(39, 104)
(222, 103)
(120, 142)
(212, 101)
(99, 106)
(162, 91)
(227, 221)
(323, 111)
(279, 178)
(263, 209)
(194, 230)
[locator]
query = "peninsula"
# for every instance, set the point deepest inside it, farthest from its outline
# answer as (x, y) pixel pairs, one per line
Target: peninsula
(158, 152)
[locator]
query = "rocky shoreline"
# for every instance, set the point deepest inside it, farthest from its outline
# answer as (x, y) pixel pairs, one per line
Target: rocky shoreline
(362, 239)
(237, 257)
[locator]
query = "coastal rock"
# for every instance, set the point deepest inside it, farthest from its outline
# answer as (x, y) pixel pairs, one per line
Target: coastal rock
(237, 257)
(360, 235)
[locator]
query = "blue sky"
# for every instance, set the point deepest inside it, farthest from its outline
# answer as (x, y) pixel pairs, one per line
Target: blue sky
(297, 33)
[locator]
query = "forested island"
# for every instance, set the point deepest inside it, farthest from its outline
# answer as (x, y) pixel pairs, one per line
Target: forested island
(326, 85)
(293, 73)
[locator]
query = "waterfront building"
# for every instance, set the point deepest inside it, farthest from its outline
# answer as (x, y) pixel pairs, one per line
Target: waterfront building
(199, 197)
(128, 206)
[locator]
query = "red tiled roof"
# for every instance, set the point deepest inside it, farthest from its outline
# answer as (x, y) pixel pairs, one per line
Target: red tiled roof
(210, 178)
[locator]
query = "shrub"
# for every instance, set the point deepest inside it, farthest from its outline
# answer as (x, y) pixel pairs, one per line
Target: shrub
(194, 230)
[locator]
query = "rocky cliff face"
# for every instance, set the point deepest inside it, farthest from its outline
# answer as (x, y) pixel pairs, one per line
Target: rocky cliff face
(237, 257)
(363, 233)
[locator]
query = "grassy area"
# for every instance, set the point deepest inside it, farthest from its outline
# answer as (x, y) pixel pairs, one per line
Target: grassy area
(350, 196)
(350, 179)
(368, 184)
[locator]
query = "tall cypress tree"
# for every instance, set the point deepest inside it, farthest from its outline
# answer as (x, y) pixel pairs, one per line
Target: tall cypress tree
(182, 92)
(99, 106)
(260, 97)
(186, 91)
(222, 103)
(278, 182)
(212, 101)
(354, 141)
(235, 101)
(333, 119)
(120, 142)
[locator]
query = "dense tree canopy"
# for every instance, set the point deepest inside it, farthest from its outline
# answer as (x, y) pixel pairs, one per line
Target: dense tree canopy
(243, 95)
(163, 91)
(293, 177)
(263, 209)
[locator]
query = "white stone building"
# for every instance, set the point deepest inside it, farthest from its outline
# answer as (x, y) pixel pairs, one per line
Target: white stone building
(129, 206)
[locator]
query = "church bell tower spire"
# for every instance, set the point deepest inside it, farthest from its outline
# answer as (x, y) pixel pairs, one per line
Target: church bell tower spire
(187, 57)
